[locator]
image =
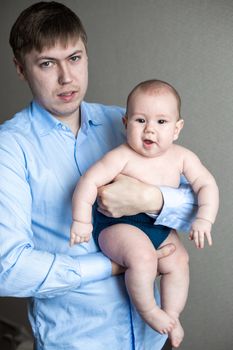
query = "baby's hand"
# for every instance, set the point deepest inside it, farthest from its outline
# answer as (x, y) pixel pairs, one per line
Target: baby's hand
(201, 228)
(80, 232)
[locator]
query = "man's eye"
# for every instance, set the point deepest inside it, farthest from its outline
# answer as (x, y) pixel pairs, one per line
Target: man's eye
(161, 121)
(46, 64)
(75, 58)
(140, 120)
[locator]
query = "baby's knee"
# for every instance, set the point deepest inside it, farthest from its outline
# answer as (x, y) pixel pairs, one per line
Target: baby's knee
(146, 260)
(181, 258)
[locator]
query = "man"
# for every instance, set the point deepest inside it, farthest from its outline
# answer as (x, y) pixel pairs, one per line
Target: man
(74, 303)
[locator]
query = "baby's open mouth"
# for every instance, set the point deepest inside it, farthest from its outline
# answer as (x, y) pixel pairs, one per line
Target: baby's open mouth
(148, 142)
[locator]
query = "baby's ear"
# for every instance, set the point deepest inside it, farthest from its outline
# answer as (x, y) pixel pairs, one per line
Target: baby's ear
(125, 121)
(179, 127)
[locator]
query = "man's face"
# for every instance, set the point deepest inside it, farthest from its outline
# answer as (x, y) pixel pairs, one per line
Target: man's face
(58, 78)
(152, 123)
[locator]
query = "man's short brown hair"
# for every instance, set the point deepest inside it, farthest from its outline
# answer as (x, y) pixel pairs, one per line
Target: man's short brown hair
(42, 25)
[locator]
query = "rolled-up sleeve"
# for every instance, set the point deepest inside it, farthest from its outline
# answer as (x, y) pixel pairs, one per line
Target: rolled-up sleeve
(179, 209)
(94, 267)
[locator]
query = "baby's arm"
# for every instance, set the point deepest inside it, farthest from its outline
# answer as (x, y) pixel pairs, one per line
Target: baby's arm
(101, 173)
(204, 185)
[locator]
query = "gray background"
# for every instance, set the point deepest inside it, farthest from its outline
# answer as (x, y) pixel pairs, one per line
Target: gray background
(189, 44)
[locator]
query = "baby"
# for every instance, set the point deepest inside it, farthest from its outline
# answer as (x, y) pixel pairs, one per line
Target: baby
(152, 123)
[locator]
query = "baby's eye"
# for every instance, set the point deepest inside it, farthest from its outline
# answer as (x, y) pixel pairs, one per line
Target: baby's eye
(140, 120)
(162, 121)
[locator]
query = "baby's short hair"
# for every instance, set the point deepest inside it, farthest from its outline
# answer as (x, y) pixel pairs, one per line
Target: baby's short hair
(155, 86)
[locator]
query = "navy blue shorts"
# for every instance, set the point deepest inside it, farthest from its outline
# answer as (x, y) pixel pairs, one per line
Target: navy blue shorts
(156, 233)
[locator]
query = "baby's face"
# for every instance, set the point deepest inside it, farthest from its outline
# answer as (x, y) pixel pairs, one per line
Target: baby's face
(153, 122)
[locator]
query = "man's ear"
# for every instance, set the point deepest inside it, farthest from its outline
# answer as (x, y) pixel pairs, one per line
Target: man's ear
(19, 69)
(179, 127)
(125, 121)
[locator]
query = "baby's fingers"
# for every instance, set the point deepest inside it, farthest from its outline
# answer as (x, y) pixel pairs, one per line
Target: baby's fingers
(72, 239)
(76, 239)
(209, 238)
(201, 240)
(84, 239)
(198, 238)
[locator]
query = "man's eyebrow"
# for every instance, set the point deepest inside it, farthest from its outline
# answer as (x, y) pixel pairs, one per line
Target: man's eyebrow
(54, 58)
(75, 53)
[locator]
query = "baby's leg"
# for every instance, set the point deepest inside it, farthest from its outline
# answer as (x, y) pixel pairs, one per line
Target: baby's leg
(174, 285)
(130, 247)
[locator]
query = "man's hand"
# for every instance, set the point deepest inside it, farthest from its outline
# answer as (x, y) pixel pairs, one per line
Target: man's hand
(128, 196)
(162, 252)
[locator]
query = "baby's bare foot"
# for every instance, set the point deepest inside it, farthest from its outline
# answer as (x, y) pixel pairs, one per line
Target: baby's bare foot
(159, 320)
(176, 335)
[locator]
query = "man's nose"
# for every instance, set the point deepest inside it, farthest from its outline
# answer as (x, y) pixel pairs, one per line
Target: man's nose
(64, 74)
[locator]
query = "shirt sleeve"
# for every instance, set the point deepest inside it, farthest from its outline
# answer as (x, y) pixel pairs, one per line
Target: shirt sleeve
(24, 270)
(179, 209)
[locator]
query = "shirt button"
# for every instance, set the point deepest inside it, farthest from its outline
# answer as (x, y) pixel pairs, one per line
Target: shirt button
(63, 127)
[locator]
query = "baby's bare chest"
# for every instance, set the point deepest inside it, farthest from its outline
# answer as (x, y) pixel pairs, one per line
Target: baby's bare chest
(155, 171)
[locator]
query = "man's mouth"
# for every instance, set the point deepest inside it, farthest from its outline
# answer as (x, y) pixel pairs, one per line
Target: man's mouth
(67, 96)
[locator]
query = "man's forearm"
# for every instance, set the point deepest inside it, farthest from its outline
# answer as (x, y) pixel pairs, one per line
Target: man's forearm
(172, 207)
(152, 199)
(128, 196)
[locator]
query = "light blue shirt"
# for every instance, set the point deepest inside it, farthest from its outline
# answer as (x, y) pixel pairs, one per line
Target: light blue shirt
(73, 302)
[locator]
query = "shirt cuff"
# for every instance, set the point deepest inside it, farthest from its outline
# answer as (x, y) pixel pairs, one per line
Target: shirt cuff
(94, 267)
(179, 208)
(176, 197)
(172, 200)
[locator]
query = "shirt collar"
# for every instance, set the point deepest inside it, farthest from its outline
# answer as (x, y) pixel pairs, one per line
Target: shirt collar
(45, 122)
(90, 115)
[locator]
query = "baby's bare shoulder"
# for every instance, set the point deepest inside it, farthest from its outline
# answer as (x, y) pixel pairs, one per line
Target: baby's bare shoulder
(121, 153)
(126, 150)
(182, 151)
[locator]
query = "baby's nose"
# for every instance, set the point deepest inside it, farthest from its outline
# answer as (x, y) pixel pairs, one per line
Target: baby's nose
(149, 128)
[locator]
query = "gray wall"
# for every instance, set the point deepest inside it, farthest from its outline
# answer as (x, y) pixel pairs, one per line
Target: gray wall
(189, 44)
